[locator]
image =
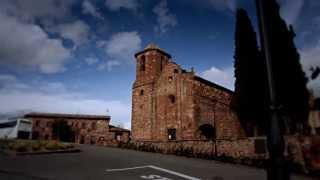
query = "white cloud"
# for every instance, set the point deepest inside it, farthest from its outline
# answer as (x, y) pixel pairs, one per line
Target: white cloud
(165, 19)
(91, 60)
(310, 57)
(31, 9)
(77, 31)
(223, 5)
(115, 5)
(89, 8)
(27, 45)
(291, 10)
(108, 65)
(122, 46)
(223, 77)
(55, 97)
(7, 78)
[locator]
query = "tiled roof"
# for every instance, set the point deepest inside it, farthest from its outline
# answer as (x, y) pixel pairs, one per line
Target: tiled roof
(115, 129)
(152, 46)
(69, 116)
(209, 83)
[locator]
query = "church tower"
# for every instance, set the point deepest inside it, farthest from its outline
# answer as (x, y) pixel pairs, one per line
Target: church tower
(149, 65)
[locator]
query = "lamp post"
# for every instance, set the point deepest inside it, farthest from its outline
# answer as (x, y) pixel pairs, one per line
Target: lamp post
(277, 169)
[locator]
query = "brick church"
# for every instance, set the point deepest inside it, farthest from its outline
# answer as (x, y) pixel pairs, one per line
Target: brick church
(170, 103)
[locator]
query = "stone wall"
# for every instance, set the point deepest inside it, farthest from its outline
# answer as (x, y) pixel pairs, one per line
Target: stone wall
(241, 148)
(301, 151)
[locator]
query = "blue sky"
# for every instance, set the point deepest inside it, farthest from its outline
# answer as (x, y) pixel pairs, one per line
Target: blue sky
(76, 56)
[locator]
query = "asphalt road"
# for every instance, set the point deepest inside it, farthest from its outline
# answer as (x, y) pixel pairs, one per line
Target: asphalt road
(100, 163)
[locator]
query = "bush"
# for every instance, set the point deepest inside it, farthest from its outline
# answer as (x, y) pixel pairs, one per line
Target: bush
(52, 146)
(36, 146)
(21, 147)
(68, 146)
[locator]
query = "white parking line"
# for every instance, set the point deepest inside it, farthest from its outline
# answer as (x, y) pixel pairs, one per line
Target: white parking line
(156, 168)
(125, 169)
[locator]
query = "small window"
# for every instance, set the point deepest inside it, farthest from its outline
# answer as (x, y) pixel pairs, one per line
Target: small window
(83, 125)
(49, 124)
(171, 134)
(46, 137)
(161, 63)
(172, 98)
(93, 125)
(141, 92)
(143, 63)
(175, 71)
(37, 123)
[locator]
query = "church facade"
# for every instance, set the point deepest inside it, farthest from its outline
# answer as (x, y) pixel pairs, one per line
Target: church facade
(170, 103)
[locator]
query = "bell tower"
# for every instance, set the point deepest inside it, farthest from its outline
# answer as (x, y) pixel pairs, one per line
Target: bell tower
(149, 65)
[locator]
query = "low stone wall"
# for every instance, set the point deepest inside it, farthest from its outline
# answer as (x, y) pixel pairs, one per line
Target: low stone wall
(190, 148)
(240, 148)
(303, 152)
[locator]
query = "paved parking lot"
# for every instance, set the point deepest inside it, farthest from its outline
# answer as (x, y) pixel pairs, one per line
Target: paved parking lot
(100, 163)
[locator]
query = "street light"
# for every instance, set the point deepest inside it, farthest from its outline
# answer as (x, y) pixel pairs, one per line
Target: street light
(277, 169)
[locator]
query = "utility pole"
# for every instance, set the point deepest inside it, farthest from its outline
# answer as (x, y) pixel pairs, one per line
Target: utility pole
(277, 168)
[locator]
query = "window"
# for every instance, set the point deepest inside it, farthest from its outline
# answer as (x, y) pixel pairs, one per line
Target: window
(37, 123)
(171, 134)
(175, 71)
(93, 125)
(49, 124)
(143, 63)
(117, 136)
(83, 125)
(161, 63)
(46, 137)
(172, 98)
(141, 92)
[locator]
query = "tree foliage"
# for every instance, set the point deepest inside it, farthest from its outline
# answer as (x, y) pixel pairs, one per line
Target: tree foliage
(250, 98)
(292, 94)
(62, 131)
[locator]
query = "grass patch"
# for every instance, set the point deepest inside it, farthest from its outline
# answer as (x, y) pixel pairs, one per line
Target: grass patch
(33, 145)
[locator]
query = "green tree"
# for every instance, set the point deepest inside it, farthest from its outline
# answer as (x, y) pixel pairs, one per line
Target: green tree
(290, 81)
(249, 99)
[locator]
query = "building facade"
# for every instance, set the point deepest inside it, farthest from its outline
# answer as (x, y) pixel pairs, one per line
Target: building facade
(85, 129)
(170, 103)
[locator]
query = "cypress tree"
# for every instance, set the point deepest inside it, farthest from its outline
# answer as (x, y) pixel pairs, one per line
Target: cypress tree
(289, 79)
(249, 100)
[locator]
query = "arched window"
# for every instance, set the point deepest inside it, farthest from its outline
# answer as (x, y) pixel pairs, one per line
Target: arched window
(141, 92)
(207, 131)
(143, 63)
